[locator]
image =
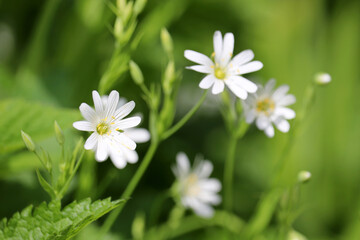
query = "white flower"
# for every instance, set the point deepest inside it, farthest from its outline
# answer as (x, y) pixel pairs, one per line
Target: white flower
(322, 78)
(225, 70)
(110, 129)
(196, 189)
(268, 107)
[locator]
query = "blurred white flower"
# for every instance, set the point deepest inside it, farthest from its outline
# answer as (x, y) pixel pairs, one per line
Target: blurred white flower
(322, 78)
(223, 69)
(110, 129)
(268, 106)
(196, 189)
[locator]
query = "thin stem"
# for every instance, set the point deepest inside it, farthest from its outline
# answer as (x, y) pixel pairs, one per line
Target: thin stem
(186, 118)
(229, 172)
(130, 188)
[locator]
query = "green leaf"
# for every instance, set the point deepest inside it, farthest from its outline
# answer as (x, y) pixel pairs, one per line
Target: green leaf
(49, 221)
(36, 119)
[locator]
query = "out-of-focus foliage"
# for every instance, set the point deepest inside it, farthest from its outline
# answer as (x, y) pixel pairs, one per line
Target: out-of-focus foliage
(53, 53)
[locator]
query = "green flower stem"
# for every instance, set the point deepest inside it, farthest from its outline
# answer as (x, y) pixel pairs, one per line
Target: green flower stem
(222, 219)
(266, 205)
(229, 172)
(186, 118)
(130, 188)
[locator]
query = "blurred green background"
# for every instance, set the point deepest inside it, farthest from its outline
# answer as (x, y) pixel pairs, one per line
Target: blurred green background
(58, 61)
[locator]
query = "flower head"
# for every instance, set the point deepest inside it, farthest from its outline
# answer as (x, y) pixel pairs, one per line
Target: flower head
(196, 189)
(110, 129)
(268, 106)
(223, 70)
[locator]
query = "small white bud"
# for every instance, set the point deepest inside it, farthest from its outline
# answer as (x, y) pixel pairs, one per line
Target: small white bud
(304, 176)
(322, 78)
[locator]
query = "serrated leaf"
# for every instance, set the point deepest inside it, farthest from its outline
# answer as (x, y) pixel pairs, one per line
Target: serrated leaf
(49, 221)
(35, 118)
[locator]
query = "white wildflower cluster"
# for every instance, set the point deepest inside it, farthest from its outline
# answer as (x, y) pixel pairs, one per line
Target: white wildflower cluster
(266, 105)
(113, 134)
(196, 189)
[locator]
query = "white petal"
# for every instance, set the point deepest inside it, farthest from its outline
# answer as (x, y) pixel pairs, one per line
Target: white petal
(244, 83)
(228, 49)
(201, 68)
(250, 116)
(204, 169)
(262, 122)
(138, 135)
(286, 100)
(280, 92)
(112, 103)
(101, 150)
(211, 184)
(237, 90)
(183, 164)
(242, 58)
(87, 112)
(198, 58)
(91, 141)
(127, 123)
(250, 67)
(84, 126)
(99, 108)
(282, 125)
(269, 131)
(218, 45)
(207, 82)
(202, 209)
(209, 197)
(287, 113)
(131, 156)
(125, 141)
(269, 86)
(218, 87)
(118, 159)
(124, 110)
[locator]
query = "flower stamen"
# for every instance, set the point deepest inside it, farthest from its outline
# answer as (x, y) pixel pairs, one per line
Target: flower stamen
(266, 106)
(102, 128)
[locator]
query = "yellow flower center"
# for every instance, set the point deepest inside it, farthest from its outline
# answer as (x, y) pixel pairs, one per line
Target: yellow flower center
(191, 187)
(265, 105)
(219, 73)
(102, 128)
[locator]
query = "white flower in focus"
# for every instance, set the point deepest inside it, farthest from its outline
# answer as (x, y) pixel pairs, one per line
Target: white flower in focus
(196, 189)
(109, 127)
(322, 78)
(268, 106)
(223, 69)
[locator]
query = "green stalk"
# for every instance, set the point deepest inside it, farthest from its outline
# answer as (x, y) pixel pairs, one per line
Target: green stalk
(229, 173)
(186, 118)
(130, 188)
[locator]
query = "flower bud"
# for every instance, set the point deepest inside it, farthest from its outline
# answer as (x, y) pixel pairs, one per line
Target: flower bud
(304, 176)
(136, 73)
(169, 77)
(294, 235)
(166, 41)
(322, 78)
(139, 6)
(28, 141)
(59, 133)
